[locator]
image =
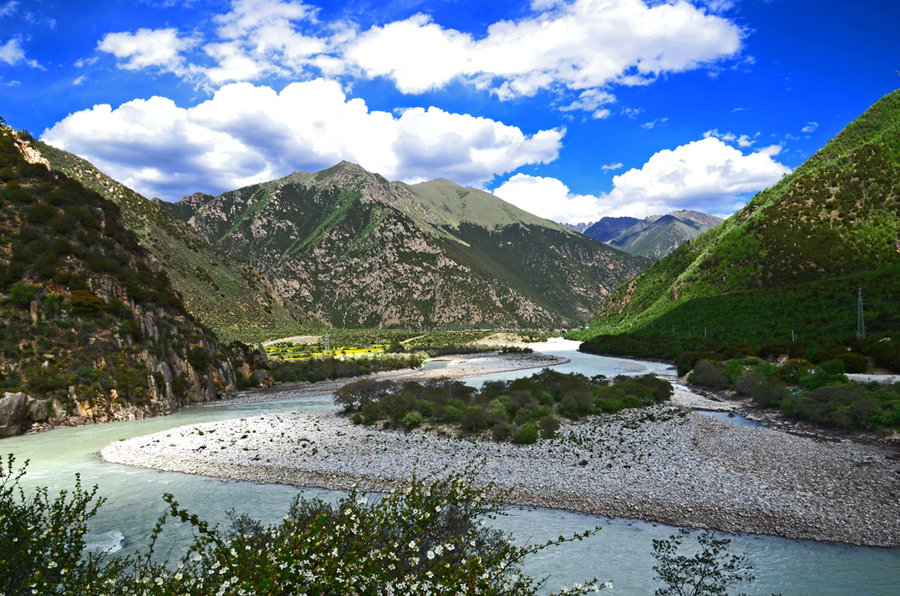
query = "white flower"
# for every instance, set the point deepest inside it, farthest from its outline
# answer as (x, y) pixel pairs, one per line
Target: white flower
(430, 555)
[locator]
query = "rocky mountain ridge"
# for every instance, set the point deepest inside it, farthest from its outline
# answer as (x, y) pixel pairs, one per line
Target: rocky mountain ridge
(359, 250)
(90, 327)
(658, 235)
(225, 293)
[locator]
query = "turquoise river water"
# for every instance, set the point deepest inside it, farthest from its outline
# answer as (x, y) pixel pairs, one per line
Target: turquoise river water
(621, 552)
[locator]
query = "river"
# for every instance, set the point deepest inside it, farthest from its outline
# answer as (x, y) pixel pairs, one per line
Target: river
(621, 552)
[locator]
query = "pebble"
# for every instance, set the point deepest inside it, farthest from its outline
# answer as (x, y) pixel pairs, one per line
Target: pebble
(678, 468)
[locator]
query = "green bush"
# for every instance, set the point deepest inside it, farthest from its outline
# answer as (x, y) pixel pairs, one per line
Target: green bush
(412, 420)
(200, 359)
(22, 294)
(795, 368)
(765, 391)
(85, 302)
(549, 426)
(710, 374)
(527, 434)
(502, 431)
(576, 404)
(854, 363)
(472, 419)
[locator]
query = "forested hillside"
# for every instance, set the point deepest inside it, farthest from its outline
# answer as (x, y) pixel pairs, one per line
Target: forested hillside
(791, 263)
(90, 327)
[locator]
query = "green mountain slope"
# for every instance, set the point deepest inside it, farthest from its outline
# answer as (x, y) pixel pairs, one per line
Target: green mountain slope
(225, 293)
(359, 250)
(659, 235)
(90, 327)
(793, 258)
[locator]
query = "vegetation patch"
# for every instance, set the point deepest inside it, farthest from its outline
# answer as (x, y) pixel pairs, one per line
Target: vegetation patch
(821, 393)
(429, 539)
(518, 411)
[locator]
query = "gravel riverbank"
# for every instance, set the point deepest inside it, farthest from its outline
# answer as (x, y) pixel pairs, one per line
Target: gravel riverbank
(453, 367)
(663, 464)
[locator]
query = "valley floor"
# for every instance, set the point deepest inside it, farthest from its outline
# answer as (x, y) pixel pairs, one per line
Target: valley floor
(664, 464)
(449, 367)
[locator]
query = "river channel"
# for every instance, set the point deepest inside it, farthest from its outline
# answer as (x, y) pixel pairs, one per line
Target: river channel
(621, 552)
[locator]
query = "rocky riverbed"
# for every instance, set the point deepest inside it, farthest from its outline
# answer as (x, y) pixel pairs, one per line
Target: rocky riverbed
(454, 367)
(664, 464)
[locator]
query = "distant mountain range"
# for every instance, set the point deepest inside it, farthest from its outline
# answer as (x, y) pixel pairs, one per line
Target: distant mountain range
(357, 250)
(608, 228)
(658, 235)
(795, 257)
(652, 237)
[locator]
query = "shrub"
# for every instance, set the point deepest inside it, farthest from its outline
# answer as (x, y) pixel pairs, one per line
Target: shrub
(659, 389)
(576, 404)
(712, 571)
(794, 369)
(854, 363)
(429, 535)
(765, 391)
(199, 358)
(354, 396)
(472, 419)
(527, 434)
(22, 294)
(85, 302)
(549, 426)
(497, 410)
(734, 370)
(502, 431)
(42, 540)
(412, 420)
(710, 374)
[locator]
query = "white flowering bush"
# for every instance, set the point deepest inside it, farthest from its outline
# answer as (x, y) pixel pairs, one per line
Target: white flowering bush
(430, 538)
(42, 540)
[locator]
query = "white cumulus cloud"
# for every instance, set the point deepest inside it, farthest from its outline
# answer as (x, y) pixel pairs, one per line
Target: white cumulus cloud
(161, 48)
(12, 53)
(549, 198)
(707, 175)
(579, 45)
(246, 134)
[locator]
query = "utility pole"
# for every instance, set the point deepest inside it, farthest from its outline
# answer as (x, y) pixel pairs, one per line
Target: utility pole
(860, 319)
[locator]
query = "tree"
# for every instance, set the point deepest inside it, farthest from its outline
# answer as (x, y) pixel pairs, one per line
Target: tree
(709, 572)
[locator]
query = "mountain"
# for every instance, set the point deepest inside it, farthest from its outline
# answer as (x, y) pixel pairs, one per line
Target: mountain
(580, 227)
(658, 235)
(90, 327)
(608, 228)
(794, 258)
(358, 250)
(225, 293)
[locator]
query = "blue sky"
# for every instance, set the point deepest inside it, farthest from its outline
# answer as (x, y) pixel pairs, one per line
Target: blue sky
(571, 109)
